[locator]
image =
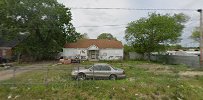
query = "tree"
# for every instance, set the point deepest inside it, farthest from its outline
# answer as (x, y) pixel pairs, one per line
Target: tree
(84, 36)
(106, 36)
(152, 34)
(46, 24)
(128, 48)
(195, 34)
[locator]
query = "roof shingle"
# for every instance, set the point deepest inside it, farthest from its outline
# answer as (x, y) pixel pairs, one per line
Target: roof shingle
(100, 43)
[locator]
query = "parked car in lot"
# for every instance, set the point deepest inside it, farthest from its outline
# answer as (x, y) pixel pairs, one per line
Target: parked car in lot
(99, 70)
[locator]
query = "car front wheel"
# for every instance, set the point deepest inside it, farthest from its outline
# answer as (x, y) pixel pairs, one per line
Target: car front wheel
(112, 77)
(81, 76)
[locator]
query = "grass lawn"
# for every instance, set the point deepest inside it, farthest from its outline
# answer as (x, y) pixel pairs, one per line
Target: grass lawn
(145, 81)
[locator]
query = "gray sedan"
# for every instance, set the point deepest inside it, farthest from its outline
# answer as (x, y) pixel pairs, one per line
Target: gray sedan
(99, 70)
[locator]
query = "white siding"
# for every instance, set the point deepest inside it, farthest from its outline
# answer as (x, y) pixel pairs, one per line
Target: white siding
(72, 52)
(104, 54)
(110, 54)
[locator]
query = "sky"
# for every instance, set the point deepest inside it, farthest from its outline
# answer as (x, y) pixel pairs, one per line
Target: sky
(103, 19)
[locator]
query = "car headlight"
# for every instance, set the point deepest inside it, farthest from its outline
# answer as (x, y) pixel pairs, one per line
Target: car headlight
(74, 72)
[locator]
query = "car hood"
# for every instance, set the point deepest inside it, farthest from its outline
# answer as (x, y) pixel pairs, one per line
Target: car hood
(118, 69)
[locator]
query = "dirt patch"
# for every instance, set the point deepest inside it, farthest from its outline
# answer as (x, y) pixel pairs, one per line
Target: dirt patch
(156, 68)
(191, 73)
(164, 69)
(7, 74)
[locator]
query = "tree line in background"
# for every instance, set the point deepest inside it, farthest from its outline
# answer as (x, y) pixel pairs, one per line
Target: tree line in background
(108, 36)
(45, 26)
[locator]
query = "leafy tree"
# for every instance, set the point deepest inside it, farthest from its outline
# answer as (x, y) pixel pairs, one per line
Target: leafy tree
(84, 36)
(106, 36)
(46, 24)
(196, 35)
(128, 48)
(152, 34)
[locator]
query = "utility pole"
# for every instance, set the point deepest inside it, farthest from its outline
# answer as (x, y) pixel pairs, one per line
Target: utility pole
(201, 38)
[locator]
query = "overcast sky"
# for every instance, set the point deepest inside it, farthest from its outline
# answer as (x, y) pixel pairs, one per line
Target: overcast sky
(102, 17)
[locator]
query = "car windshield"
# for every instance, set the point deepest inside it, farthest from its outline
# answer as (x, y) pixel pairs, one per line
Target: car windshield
(114, 68)
(90, 67)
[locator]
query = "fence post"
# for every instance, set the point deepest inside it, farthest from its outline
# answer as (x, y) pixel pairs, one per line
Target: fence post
(46, 77)
(79, 82)
(93, 72)
(77, 77)
(14, 76)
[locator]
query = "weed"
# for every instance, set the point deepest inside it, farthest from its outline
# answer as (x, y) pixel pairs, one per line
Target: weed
(139, 84)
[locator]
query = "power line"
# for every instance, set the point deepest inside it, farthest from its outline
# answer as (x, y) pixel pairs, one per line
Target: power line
(114, 25)
(142, 9)
(103, 25)
(121, 25)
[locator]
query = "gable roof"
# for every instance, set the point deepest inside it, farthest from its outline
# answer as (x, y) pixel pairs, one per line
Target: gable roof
(100, 43)
(10, 43)
(6, 43)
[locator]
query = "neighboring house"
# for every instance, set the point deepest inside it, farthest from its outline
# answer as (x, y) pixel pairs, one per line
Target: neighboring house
(6, 47)
(94, 49)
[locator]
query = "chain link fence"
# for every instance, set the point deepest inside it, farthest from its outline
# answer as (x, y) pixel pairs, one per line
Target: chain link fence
(45, 75)
(40, 75)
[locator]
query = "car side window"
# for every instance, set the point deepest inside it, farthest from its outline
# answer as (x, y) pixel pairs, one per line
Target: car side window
(97, 68)
(105, 68)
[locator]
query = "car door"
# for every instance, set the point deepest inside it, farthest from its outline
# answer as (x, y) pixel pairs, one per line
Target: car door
(96, 71)
(105, 71)
(89, 73)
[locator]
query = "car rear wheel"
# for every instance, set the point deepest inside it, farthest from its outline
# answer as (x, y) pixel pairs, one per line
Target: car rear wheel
(81, 76)
(112, 77)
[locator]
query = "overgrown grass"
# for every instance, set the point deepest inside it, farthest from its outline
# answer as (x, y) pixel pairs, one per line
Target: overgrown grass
(139, 84)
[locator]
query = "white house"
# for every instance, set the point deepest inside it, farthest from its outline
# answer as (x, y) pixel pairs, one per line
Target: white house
(94, 49)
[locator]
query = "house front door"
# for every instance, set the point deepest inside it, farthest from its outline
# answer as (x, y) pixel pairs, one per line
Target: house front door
(93, 54)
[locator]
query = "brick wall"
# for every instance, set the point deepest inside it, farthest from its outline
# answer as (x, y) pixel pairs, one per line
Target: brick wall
(6, 53)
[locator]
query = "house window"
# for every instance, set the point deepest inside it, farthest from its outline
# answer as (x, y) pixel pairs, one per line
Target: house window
(104, 54)
(83, 57)
(110, 57)
(105, 68)
(83, 51)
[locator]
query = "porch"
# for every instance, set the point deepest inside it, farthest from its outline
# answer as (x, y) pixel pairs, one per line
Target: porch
(93, 55)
